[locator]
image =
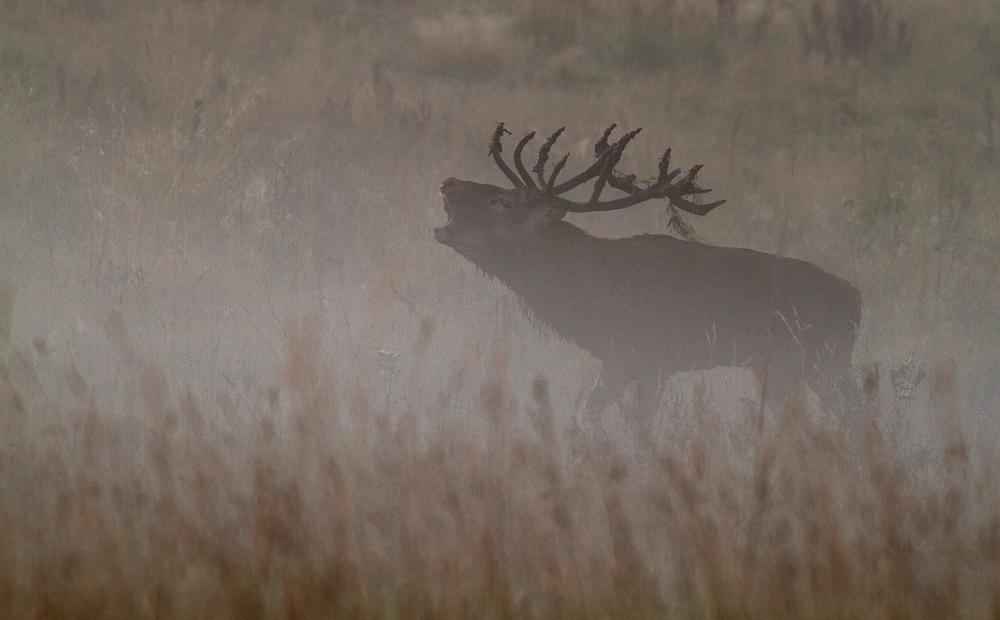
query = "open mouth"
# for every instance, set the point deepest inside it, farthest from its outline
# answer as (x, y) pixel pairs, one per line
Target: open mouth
(444, 233)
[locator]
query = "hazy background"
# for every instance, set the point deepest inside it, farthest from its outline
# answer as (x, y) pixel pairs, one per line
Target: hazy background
(230, 204)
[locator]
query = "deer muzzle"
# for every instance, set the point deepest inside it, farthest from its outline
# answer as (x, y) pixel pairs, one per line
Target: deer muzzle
(445, 233)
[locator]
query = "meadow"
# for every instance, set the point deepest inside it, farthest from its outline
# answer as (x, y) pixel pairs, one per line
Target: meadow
(239, 378)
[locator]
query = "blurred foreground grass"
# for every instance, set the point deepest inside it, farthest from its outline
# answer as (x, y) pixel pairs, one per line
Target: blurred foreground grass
(238, 378)
(293, 503)
(289, 500)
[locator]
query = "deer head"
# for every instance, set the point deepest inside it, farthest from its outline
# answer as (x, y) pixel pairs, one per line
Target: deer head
(481, 215)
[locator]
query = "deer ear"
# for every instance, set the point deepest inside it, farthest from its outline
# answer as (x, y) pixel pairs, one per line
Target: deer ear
(540, 219)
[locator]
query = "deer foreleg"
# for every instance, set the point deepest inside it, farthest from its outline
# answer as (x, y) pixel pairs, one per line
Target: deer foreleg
(608, 388)
(647, 404)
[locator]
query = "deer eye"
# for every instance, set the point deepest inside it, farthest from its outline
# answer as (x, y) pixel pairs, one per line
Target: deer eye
(502, 202)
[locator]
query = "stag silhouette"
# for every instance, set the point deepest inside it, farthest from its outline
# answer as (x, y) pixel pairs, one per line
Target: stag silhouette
(648, 306)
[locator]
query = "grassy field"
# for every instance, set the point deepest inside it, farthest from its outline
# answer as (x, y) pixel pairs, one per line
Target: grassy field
(238, 377)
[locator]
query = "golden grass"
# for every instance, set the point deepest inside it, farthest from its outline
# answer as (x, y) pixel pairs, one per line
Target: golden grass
(324, 507)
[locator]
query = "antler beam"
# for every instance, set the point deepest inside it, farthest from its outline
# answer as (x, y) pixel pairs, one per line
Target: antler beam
(661, 189)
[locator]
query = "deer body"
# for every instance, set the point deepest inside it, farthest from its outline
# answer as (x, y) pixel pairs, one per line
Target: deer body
(651, 305)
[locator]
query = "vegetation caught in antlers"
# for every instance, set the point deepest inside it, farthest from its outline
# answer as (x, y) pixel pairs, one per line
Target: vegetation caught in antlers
(604, 172)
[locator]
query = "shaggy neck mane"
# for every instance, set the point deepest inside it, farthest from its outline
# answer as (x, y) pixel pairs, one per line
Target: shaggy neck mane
(561, 276)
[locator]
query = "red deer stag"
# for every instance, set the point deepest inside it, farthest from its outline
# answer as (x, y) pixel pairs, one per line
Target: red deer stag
(650, 305)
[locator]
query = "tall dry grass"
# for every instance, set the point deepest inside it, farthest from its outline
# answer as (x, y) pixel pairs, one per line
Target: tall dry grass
(182, 183)
(324, 505)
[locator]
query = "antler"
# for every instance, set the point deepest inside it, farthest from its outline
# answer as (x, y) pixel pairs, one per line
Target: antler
(543, 157)
(603, 168)
(496, 148)
(519, 164)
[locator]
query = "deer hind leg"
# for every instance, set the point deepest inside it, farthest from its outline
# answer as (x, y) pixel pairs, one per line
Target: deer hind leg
(642, 413)
(830, 377)
(777, 382)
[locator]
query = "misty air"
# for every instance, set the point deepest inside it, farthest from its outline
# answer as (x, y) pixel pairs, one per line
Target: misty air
(512, 309)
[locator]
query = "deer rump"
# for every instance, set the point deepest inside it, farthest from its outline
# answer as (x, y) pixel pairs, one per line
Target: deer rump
(652, 305)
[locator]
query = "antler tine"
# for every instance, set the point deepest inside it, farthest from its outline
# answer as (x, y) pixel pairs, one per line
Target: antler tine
(686, 187)
(694, 208)
(555, 173)
(653, 191)
(496, 148)
(519, 165)
(664, 167)
(601, 145)
(624, 140)
(598, 165)
(543, 156)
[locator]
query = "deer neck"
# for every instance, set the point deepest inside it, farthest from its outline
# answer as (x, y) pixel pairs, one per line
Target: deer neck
(536, 262)
(553, 277)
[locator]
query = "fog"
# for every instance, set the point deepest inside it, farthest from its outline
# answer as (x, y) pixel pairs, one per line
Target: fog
(240, 378)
